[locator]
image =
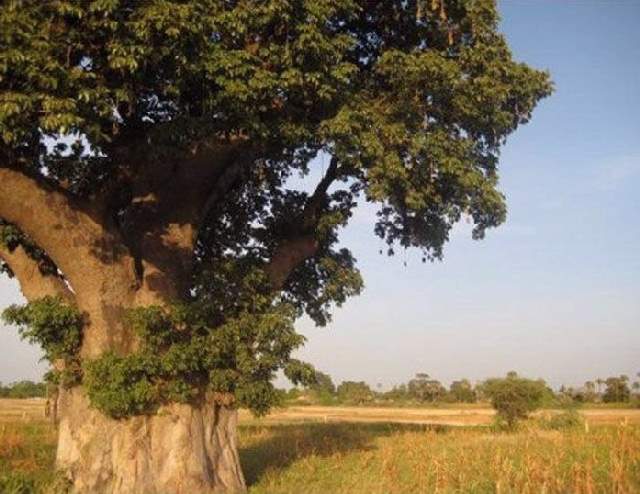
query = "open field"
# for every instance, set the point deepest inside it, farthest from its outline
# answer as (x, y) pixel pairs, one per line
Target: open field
(383, 450)
(30, 409)
(27, 409)
(429, 416)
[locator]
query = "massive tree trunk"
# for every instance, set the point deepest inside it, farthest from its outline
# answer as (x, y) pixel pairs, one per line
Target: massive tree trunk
(181, 449)
(108, 270)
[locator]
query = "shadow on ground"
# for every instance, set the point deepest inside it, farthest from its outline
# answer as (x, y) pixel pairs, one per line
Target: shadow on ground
(273, 447)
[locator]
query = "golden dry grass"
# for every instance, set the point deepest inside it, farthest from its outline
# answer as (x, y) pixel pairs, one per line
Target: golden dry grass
(428, 416)
(33, 409)
(393, 458)
(366, 451)
(12, 410)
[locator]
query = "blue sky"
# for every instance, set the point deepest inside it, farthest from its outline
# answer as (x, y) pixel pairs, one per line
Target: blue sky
(554, 292)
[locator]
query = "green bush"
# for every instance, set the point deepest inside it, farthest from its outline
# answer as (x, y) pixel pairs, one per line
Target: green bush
(50, 323)
(514, 398)
(354, 393)
(180, 358)
(617, 390)
(24, 389)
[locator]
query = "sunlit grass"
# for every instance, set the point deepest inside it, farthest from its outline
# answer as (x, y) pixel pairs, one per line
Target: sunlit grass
(27, 452)
(378, 458)
(372, 458)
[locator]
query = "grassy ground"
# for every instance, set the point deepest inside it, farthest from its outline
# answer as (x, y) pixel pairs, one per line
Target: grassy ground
(462, 416)
(382, 458)
(284, 456)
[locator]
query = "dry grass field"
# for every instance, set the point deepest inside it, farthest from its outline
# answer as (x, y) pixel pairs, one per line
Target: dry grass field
(383, 450)
(463, 416)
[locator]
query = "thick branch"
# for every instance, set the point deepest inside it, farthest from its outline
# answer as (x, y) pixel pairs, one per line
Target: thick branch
(319, 197)
(94, 260)
(302, 243)
(170, 200)
(33, 283)
(288, 256)
(76, 240)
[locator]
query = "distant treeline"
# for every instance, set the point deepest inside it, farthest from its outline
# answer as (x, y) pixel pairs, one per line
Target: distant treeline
(423, 389)
(23, 389)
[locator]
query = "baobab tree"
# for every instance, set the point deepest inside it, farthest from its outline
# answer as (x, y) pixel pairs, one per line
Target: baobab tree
(149, 213)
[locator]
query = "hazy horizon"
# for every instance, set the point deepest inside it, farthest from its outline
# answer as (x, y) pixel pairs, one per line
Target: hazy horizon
(552, 293)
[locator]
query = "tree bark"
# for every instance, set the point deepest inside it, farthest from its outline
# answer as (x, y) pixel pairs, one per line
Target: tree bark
(182, 449)
(33, 283)
(92, 257)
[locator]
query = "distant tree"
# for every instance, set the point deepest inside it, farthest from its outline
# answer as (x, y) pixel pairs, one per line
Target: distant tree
(293, 394)
(565, 397)
(422, 388)
(322, 390)
(354, 392)
(25, 389)
(590, 394)
(578, 395)
(462, 391)
(323, 383)
(397, 393)
(617, 390)
(513, 397)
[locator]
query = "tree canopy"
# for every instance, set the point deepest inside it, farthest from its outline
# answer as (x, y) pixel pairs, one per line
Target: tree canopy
(514, 397)
(354, 392)
(423, 388)
(153, 145)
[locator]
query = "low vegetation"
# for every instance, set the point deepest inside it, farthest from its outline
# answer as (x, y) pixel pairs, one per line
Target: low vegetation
(379, 458)
(513, 395)
(23, 389)
(26, 457)
(514, 398)
(524, 452)
(553, 455)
